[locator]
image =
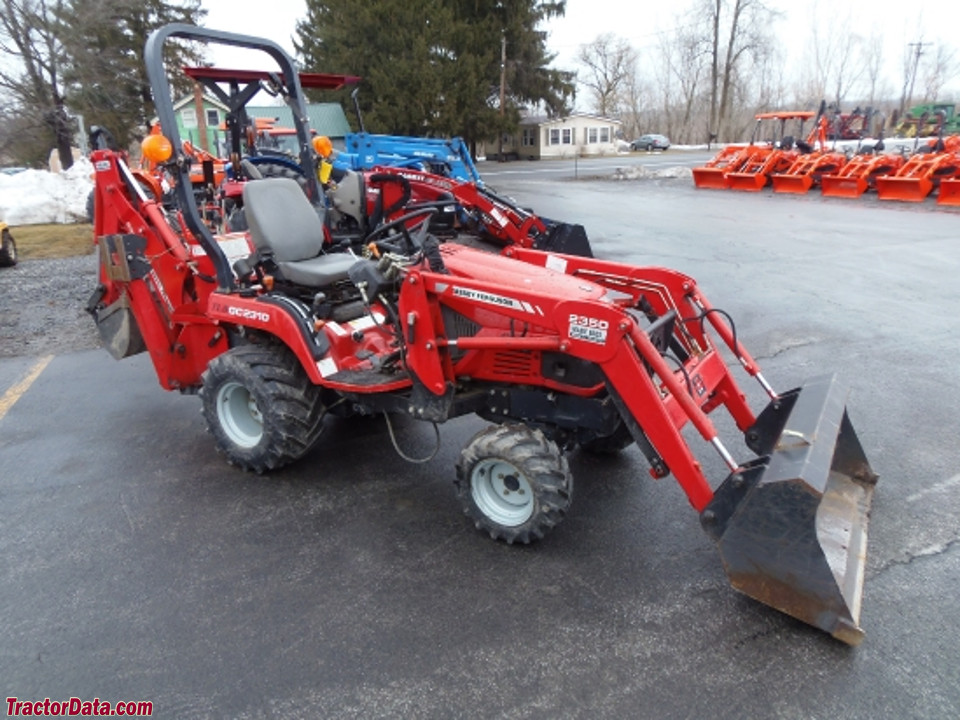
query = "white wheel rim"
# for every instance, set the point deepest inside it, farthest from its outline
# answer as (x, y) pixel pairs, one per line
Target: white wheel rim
(502, 492)
(239, 415)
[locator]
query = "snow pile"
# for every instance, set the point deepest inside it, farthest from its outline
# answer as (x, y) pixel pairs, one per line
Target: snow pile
(38, 196)
(641, 172)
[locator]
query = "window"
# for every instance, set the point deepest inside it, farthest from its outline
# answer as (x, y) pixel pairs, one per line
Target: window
(189, 117)
(567, 136)
(554, 136)
(604, 134)
(591, 136)
(213, 117)
(529, 138)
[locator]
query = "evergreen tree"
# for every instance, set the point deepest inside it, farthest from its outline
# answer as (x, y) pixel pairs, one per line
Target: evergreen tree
(433, 67)
(106, 75)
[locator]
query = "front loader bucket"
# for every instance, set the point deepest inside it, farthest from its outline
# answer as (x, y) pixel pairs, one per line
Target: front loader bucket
(795, 184)
(751, 182)
(905, 189)
(791, 526)
(842, 186)
(566, 238)
(949, 193)
(710, 177)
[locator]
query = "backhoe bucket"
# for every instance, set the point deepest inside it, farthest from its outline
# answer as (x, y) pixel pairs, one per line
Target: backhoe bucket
(710, 177)
(791, 526)
(949, 193)
(905, 189)
(842, 186)
(116, 323)
(751, 182)
(795, 184)
(118, 329)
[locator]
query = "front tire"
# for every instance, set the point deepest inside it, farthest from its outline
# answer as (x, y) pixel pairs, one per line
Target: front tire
(261, 407)
(514, 483)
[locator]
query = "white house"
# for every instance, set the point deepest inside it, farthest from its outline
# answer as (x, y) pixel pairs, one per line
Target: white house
(564, 137)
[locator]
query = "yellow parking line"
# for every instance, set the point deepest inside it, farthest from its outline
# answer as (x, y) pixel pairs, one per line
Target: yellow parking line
(11, 396)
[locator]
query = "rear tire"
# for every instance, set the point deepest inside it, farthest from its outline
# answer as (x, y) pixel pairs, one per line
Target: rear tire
(514, 483)
(8, 250)
(261, 407)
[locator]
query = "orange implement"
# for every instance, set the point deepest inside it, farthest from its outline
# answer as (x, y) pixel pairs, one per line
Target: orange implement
(859, 174)
(949, 193)
(756, 172)
(713, 174)
(807, 171)
(918, 176)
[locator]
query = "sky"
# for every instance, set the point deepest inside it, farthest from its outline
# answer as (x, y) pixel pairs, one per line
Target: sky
(641, 23)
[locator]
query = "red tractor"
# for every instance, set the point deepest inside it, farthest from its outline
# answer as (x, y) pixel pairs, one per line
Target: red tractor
(276, 331)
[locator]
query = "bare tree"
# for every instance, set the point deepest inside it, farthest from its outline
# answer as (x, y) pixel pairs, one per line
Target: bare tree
(737, 30)
(633, 94)
(834, 57)
(685, 64)
(609, 62)
(941, 66)
(873, 59)
(33, 71)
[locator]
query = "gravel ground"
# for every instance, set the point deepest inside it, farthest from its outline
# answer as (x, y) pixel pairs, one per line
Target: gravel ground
(42, 306)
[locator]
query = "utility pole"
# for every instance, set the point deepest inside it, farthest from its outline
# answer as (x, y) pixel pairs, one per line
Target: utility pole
(908, 94)
(503, 86)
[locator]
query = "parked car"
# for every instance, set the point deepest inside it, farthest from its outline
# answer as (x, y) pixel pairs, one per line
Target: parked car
(650, 142)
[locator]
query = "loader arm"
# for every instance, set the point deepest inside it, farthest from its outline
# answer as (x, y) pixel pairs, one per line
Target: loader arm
(596, 321)
(791, 523)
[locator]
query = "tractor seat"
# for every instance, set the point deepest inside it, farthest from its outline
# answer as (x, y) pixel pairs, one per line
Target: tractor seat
(283, 221)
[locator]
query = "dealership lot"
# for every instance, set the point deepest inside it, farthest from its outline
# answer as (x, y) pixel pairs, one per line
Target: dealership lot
(138, 566)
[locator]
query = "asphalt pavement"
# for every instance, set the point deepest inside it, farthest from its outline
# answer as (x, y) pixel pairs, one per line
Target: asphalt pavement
(137, 565)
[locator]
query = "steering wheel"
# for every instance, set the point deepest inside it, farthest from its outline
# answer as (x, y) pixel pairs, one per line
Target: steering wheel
(413, 243)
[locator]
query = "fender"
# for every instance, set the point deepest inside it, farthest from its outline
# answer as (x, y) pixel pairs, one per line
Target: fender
(282, 317)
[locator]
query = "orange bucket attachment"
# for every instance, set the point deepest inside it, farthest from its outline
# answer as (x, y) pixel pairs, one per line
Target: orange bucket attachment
(714, 178)
(904, 189)
(847, 186)
(747, 181)
(713, 175)
(918, 176)
(795, 184)
(949, 193)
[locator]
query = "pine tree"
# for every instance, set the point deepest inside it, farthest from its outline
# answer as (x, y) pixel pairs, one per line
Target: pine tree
(106, 75)
(432, 67)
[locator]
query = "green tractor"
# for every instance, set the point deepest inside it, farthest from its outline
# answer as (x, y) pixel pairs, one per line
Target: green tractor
(926, 121)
